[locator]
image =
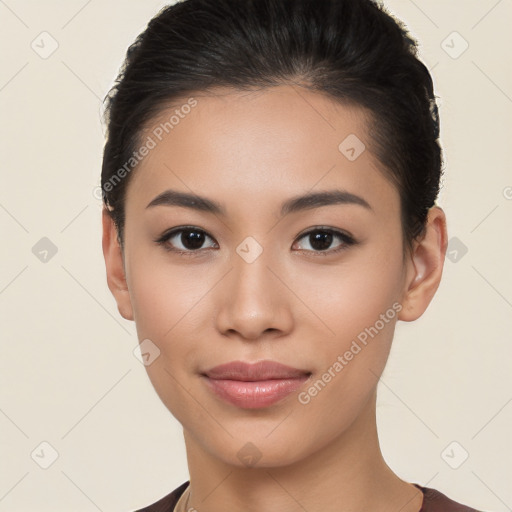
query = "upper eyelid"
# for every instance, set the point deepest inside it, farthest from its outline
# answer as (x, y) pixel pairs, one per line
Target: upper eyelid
(336, 231)
(176, 230)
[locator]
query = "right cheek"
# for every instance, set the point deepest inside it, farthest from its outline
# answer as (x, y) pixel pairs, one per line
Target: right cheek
(150, 303)
(170, 392)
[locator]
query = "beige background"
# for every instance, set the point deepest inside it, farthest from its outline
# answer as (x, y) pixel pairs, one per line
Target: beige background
(67, 371)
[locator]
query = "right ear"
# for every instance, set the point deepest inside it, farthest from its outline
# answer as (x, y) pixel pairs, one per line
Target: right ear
(116, 277)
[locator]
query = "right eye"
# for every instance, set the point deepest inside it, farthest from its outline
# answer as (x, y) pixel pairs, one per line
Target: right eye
(184, 240)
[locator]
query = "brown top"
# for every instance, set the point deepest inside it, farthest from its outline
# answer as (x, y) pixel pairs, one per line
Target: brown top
(433, 501)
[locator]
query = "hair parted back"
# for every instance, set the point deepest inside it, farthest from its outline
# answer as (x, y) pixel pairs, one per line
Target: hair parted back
(353, 51)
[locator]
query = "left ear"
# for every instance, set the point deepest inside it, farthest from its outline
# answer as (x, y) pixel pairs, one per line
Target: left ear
(425, 267)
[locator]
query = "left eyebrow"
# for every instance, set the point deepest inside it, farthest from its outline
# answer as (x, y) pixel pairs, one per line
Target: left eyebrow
(322, 198)
(295, 204)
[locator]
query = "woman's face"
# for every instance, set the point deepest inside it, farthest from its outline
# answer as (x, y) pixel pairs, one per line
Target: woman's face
(258, 282)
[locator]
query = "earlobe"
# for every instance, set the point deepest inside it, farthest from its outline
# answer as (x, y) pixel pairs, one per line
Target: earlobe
(116, 277)
(425, 267)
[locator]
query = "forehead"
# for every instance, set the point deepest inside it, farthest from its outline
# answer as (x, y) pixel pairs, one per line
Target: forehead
(260, 145)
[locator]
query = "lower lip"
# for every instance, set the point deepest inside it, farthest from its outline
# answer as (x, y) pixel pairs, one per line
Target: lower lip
(254, 395)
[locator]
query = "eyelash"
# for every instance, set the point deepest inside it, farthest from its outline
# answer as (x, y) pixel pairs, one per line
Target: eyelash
(347, 240)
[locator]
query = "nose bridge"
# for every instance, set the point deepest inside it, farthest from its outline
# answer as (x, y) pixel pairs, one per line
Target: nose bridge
(250, 271)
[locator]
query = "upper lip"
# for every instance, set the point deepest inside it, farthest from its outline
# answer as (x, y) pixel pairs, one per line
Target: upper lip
(251, 372)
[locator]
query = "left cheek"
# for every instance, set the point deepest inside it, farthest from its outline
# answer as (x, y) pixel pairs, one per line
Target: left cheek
(350, 305)
(364, 339)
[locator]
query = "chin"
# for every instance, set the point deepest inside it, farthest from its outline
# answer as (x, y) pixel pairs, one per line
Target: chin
(255, 448)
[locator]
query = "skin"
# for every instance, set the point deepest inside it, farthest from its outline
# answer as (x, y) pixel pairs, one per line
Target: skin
(250, 151)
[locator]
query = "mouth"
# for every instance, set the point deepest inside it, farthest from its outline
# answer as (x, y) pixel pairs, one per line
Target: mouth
(252, 386)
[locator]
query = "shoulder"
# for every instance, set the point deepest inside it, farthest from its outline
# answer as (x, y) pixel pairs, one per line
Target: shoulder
(168, 502)
(436, 501)
(433, 501)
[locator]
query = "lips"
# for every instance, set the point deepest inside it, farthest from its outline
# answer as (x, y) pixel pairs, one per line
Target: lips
(256, 385)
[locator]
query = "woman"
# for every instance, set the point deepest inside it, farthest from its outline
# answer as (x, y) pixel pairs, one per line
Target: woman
(269, 178)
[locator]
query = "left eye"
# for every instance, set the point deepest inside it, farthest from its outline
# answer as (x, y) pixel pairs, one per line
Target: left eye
(320, 240)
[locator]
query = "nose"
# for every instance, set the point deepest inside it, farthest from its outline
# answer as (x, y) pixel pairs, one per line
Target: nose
(252, 301)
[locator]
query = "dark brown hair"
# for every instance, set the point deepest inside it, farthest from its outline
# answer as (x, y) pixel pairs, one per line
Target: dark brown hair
(354, 51)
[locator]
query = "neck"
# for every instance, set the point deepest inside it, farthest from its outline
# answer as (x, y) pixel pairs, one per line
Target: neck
(347, 474)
